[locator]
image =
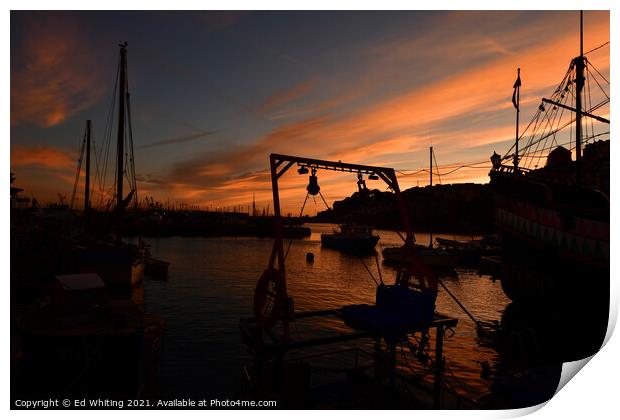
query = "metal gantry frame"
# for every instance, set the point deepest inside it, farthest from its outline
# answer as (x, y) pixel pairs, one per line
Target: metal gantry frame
(279, 164)
(257, 332)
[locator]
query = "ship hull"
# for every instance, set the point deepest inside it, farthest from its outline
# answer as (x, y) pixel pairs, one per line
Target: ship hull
(554, 236)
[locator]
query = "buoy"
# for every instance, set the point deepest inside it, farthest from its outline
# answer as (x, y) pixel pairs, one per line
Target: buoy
(309, 257)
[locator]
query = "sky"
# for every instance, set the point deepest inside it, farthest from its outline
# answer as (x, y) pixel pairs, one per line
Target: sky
(214, 93)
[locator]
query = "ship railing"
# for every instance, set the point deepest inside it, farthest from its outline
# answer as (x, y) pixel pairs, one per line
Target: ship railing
(510, 169)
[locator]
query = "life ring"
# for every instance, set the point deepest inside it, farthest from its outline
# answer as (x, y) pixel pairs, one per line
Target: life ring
(267, 304)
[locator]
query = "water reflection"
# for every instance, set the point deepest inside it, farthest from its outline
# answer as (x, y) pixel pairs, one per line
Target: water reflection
(211, 284)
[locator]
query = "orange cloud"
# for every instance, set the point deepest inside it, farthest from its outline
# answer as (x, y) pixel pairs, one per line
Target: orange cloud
(44, 172)
(461, 112)
(285, 96)
(42, 156)
(344, 97)
(53, 73)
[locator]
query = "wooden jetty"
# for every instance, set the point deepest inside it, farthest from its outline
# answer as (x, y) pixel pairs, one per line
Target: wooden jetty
(270, 347)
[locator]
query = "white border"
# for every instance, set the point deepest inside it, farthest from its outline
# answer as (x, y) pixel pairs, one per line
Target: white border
(592, 394)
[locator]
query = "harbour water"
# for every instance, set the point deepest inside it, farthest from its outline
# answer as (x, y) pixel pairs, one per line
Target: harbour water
(211, 285)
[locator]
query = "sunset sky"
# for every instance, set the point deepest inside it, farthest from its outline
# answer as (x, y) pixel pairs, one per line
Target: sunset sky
(214, 93)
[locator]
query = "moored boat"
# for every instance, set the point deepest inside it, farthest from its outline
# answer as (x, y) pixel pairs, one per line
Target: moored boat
(156, 268)
(296, 232)
(83, 341)
(433, 257)
(120, 265)
(472, 250)
(351, 238)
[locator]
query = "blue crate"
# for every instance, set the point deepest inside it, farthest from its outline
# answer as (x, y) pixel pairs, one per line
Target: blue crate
(399, 310)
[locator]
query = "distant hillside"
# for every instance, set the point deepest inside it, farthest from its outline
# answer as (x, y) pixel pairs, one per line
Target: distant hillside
(458, 208)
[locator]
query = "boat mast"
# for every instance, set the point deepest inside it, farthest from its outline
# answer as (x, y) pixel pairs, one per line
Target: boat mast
(122, 91)
(579, 82)
(430, 245)
(87, 180)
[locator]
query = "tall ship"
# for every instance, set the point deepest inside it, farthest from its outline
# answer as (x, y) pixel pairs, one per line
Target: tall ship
(551, 189)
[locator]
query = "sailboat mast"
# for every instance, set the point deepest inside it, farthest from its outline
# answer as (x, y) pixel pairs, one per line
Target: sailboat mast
(122, 91)
(579, 83)
(87, 178)
(431, 191)
(581, 33)
(431, 165)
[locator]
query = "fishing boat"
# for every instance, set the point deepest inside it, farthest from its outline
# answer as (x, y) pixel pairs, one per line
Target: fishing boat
(556, 216)
(351, 238)
(296, 231)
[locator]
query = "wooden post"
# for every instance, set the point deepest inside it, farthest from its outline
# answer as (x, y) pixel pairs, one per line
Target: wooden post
(392, 356)
(438, 368)
(87, 178)
(378, 358)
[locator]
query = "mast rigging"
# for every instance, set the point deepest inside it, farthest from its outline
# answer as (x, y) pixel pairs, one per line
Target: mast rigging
(122, 91)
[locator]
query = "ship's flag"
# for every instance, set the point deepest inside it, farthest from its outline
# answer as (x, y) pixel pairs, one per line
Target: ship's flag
(516, 87)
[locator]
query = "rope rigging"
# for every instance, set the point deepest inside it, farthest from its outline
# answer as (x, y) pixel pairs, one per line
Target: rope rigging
(107, 194)
(594, 49)
(544, 131)
(101, 162)
(301, 213)
(435, 159)
(79, 170)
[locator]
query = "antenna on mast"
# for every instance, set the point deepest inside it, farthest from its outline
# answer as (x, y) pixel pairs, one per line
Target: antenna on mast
(581, 33)
(515, 102)
(579, 84)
